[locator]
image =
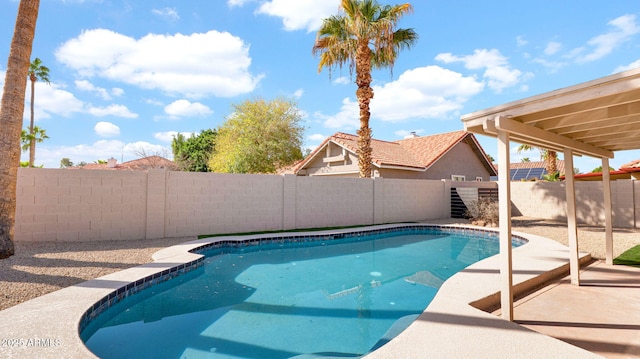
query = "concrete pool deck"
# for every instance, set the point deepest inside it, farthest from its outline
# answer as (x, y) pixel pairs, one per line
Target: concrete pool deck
(47, 327)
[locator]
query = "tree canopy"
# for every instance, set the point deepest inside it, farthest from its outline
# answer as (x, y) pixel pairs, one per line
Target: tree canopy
(192, 154)
(259, 137)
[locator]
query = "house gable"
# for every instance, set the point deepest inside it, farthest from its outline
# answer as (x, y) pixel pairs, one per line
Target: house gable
(408, 158)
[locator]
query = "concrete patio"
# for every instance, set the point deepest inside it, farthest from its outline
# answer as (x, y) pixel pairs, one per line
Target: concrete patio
(602, 315)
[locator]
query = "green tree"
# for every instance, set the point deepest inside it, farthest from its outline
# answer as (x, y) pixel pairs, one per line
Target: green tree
(192, 154)
(37, 71)
(526, 159)
(66, 163)
(549, 157)
(29, 140)
(259, 137)
(364, 37)
(599, 169)
(11, 110)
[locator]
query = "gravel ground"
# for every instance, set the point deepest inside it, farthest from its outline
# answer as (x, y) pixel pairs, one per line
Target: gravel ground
(38, 268)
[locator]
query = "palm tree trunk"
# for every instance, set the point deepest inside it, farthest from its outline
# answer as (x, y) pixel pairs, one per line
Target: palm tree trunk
(552, 165)
(11, 118)
(364, 95)
(32, 143)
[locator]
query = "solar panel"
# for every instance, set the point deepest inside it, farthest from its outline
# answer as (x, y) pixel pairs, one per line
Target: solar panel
(536, 173)
(520, 174)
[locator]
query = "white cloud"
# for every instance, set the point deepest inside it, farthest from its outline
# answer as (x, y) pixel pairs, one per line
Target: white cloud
(116, 91)
(298, 93)
(142, 148)
(52, 99)
(498, 72)
(316, 137)
(232, 3)
(176, 64)
(553, 66)
(85, 85)
(424, 92)
(185, 108)
(106, 129)
(552, 48)
(169, 135)
(300, 14)
(342, 80)
(170, 14)
(633, 65)
(624, 28)
(521, 41)
(420, 93)
(345, 119)
(111, 110)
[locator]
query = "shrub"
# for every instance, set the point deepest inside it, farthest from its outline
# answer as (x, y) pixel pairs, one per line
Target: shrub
(485, 210)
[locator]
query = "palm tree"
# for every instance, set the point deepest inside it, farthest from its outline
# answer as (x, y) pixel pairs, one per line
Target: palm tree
(365, 38)
(548, 156)
(29, 140)
(37, 71)
(11, 118)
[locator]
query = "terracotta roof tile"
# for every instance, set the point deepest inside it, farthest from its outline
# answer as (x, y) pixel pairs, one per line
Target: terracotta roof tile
(428, 149)
(633, 165)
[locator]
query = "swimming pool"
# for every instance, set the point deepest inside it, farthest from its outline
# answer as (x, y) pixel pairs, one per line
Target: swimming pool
(340, 295)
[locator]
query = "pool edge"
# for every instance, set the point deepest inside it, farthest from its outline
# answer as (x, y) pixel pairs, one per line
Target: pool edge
(40, 317)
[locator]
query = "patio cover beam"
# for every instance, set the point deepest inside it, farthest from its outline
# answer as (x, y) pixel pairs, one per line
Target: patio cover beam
(546, 138)
(504, 208)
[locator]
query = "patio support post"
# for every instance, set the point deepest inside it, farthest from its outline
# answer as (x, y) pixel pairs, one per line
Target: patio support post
(504, 203)
(572, 227)
(608, 211)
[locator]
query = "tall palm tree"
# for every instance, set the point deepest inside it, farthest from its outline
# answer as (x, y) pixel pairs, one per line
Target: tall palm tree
(29, 140)
(11, 118)
(364, 37)
(37, 71)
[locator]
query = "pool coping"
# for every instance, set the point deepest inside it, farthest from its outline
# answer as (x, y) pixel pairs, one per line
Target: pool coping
(47, 326)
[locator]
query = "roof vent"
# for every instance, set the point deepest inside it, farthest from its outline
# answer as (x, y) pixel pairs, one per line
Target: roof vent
(413, 134)
(111, 162)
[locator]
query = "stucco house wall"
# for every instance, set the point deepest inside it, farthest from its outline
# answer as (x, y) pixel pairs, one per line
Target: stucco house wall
(460, 160)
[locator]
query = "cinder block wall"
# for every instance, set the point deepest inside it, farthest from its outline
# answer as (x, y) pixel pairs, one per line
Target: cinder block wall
(548, 200)
(80, 205)
(63, 204)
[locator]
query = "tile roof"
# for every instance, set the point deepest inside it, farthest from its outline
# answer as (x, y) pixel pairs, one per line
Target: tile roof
(428, 149)
(383, 152)
(631, 166)
(140, 164)
(416, 152)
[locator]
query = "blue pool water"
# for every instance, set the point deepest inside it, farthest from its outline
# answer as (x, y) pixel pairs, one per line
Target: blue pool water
(340, 298)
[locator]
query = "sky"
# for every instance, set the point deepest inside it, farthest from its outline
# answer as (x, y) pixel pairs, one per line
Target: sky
(126, 76)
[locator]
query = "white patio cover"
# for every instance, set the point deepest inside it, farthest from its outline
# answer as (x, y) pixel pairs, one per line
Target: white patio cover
(595, 118)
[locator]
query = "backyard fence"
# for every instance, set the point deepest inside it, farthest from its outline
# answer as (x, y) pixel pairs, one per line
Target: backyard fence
(75, 204)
